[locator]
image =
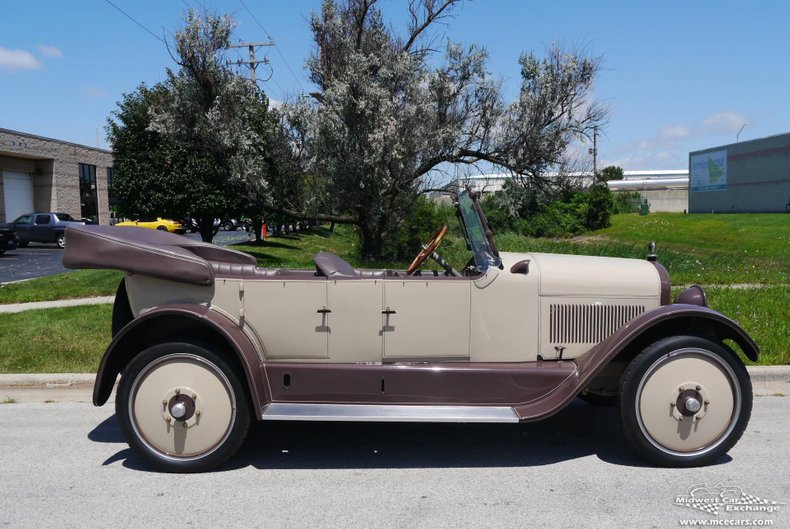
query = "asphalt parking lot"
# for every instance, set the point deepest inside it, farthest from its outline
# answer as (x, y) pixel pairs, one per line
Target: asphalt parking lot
(572, 470)
(40, 260)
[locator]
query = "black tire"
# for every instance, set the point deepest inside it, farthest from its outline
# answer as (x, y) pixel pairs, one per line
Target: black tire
(694, 373)
(219, 417)
(161, 228)
(2, 251)
(60, 240)
(229, 226)
(23, 244)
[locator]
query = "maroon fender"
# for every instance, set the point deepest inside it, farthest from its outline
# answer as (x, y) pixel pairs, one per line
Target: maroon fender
(668, 320)
(180, 323)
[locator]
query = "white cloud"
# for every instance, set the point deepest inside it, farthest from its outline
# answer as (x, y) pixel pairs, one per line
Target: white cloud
(674, 132)
(18, 60)
(723, 122)
(50, 51)
(95, 92)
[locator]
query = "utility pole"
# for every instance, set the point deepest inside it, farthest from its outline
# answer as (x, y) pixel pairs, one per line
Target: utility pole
(594, 152)
(252, 63)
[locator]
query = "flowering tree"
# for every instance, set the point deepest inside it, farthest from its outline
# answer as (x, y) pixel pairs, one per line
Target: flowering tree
(203, 142)
(389, 112)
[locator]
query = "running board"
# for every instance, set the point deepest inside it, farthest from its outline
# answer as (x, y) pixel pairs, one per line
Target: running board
(289, 411)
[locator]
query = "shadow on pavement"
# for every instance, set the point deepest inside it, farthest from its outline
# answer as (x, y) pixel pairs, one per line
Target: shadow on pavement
(578, 431)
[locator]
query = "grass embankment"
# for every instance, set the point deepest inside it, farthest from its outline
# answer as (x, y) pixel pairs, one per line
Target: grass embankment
(751, 252)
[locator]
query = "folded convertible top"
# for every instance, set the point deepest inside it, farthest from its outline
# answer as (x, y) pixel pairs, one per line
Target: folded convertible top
(149, 252)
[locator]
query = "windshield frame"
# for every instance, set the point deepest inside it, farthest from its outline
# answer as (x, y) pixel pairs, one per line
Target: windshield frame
(477, 232)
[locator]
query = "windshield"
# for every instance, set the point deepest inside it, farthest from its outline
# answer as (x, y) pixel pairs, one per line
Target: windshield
(474, 229)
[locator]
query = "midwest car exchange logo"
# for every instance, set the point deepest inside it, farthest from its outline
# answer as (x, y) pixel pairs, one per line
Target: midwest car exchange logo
(720, 498)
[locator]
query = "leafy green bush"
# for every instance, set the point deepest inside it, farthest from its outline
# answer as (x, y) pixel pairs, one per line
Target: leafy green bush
(420, 223)
(563, 215)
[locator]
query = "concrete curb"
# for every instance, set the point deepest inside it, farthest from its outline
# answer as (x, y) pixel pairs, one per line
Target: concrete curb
(47, 380)
(770, 375)
(21, 307)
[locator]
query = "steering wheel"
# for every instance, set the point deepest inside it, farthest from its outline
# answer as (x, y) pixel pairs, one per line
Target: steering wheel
(427, 249)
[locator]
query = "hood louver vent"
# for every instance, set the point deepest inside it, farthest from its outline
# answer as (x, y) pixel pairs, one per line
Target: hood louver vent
(588, 323)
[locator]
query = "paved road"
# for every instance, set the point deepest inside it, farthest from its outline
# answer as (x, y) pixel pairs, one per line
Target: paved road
(39, 260)
(66, 465)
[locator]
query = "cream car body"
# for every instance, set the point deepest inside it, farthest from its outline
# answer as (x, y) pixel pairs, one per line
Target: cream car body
(511, 337)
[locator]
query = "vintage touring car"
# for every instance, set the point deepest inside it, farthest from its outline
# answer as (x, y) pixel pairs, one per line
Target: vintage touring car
(205, 341)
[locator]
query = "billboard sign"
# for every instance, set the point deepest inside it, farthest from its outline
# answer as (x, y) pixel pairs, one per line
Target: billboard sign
(708, 171)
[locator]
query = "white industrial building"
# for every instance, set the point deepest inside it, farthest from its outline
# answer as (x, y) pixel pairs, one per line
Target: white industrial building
(665, 190)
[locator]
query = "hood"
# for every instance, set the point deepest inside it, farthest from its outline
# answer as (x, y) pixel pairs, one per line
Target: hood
(6, 227)
(582, 275)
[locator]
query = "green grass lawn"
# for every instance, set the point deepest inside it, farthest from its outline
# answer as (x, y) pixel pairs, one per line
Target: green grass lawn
(62, 340)
(717, 251)
(69, 285)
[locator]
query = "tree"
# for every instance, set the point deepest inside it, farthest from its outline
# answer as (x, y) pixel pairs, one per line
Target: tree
(154, 175)
(385, 117)
(210, 143)
(611, 172)
(389, 112)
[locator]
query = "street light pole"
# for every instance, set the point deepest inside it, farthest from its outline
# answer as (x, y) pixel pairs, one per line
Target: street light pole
(739, 131)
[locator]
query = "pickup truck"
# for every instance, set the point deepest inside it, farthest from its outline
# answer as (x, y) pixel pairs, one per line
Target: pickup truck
(43, 227)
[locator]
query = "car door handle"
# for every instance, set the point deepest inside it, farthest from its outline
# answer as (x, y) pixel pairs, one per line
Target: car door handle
(388, 311)
(323, 311)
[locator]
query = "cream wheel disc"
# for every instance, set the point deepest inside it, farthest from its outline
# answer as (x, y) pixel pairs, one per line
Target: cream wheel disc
(688, 402)
(182, 406)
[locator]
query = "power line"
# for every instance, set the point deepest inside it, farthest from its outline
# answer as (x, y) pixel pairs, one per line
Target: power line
(275, 45)
(253, 62)
(136, 22)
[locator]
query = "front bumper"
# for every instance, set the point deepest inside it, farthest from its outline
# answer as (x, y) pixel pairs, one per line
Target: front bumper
(8, 243)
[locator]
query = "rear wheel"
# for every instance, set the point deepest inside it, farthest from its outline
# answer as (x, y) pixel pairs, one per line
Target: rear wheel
(685, 401)
(182, 408)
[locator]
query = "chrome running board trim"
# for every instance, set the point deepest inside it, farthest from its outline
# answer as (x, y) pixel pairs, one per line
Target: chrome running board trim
(290, 411)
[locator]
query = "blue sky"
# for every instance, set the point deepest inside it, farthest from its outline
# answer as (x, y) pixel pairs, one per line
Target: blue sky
(678, 75)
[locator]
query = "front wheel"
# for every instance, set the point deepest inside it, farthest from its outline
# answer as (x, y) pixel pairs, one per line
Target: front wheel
(182, 408)
(60, 240)
(685, 401)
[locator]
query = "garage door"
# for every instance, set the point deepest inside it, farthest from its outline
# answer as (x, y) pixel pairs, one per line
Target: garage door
(18, 194)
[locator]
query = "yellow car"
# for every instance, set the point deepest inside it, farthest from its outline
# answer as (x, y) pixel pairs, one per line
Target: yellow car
(158, 224)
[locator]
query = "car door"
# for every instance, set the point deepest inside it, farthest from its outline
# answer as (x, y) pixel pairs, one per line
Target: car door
(24, 227)
(289, 316)
(41, 231)
(355, 321)
(426, 318)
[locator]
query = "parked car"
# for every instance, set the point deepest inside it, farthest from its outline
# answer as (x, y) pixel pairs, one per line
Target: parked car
(8, 238)
(43, 227)
(235, 224)
(157, 224)
(205, 341)
(191, 224)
